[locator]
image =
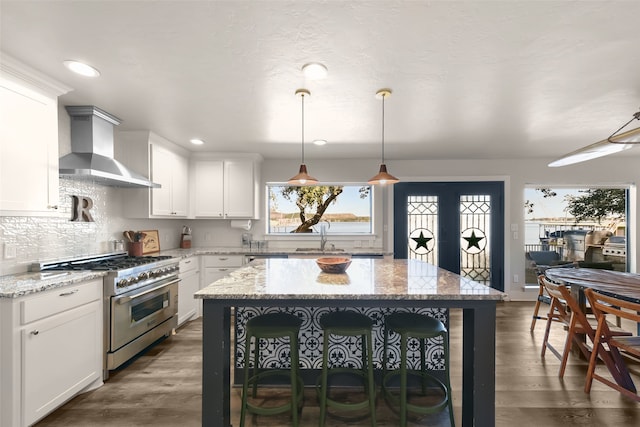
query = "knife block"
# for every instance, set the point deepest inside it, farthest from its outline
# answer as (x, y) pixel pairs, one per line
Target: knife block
(185, 241)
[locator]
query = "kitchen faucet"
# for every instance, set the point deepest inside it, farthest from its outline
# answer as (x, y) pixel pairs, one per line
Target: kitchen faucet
(323, 235)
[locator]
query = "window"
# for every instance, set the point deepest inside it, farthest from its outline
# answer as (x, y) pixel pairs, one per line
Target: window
(585, 227)
(340, 208)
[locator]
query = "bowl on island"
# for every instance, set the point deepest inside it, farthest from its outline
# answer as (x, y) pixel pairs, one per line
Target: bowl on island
(333, 265)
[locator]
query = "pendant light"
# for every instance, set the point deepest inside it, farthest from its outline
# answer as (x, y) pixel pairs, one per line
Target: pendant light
(383, 177)
(302, 178)
(615, 143)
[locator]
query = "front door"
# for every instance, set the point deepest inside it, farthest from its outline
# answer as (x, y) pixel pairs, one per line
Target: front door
(458, 226)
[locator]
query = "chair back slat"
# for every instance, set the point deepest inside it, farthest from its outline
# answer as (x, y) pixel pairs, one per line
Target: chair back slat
(564, 294)
(610, 305)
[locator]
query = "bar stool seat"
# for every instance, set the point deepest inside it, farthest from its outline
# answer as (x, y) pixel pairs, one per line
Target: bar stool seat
(347, 323)
(269, 326)
(420, 327)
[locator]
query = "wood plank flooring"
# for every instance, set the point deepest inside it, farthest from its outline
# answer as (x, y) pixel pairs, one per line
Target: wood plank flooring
(162, 387)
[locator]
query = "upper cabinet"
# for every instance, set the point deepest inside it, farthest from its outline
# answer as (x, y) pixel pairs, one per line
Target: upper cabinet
(166, 164)
(28, 141)
(226, 188)
(171, 171)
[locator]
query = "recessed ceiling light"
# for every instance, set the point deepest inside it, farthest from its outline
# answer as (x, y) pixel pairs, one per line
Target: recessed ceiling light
(314, 70)
(196, 141)
(81, 68)
(320, 141)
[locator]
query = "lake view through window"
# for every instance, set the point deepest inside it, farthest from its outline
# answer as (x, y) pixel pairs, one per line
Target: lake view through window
(340, 209)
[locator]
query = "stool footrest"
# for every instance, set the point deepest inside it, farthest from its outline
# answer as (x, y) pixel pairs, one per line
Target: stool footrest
(261, 410)
(341, 405)
(394, 399)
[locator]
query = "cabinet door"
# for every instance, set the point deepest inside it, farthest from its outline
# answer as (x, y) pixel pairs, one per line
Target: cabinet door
(209, 178)
(161, 169)
(28, 151)
(171, 171)
(62, 354)
(187, 304)
(180, 187)
(239, 187)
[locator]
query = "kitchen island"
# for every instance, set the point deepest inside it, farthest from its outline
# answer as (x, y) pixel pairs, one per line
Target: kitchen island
(367, 283)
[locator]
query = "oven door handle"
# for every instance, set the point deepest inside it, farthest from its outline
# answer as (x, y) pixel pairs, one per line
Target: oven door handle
(127, 298)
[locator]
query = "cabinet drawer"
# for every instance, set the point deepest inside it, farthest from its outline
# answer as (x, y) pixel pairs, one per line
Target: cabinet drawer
(58, 300)
(223, 260)
(189, 264)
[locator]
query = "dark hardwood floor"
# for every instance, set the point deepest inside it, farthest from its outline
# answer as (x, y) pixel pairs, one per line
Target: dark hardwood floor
(163, 387)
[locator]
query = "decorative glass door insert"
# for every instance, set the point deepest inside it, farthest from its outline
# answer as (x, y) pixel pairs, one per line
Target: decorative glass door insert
(457, 226)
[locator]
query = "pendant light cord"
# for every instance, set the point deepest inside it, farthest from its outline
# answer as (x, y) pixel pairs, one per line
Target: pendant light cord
(383, 96)
(302, 96)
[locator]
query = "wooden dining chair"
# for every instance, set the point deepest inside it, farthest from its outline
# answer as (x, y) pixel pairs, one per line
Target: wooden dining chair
(565, 309)
(543, 297)
(580, 327)
(602, 306)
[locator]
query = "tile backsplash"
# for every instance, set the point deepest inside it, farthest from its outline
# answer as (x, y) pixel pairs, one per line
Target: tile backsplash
(41, 238)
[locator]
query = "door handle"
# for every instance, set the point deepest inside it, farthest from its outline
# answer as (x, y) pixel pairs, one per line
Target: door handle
(127, 298)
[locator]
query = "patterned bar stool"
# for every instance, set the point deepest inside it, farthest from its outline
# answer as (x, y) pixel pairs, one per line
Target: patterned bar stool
(346, 324)
(269, 326)
(420, 327)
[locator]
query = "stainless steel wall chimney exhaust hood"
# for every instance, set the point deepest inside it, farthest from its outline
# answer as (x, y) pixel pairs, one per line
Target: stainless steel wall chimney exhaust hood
(92, 150)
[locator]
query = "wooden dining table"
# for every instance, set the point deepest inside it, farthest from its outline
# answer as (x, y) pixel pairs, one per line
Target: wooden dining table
(621, 285)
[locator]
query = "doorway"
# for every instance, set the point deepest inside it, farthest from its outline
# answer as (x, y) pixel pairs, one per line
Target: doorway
(458, 226)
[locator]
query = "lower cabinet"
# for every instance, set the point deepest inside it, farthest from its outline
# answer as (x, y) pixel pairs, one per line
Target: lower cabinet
(215, 267)
(52, 349)
(188, 306)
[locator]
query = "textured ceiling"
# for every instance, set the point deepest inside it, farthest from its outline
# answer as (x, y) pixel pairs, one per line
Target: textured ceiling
(470, 79)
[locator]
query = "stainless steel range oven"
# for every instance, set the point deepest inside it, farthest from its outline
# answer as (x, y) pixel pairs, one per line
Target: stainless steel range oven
(140, 301)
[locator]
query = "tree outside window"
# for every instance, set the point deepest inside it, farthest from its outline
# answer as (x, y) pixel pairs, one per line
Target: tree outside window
(298, 209)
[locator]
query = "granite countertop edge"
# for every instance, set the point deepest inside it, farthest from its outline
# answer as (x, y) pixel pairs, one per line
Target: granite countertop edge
(186, 253)
(19, 285)
(228, 298)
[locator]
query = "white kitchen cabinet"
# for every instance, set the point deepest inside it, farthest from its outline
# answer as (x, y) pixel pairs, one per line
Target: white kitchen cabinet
(189, 285)
(226, 188)
(28, 141)
(172, 172)
(164, 163)
(54, 350)
(208, 187)
(217, 266)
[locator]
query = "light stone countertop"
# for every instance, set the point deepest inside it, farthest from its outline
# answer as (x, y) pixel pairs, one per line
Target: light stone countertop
(381, 279)
(17, 285)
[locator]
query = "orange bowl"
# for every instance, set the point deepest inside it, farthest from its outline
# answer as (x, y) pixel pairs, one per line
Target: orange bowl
(335, 265)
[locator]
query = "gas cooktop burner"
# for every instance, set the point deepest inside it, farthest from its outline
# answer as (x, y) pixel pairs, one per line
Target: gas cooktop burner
(112, 262)
(108, 264)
